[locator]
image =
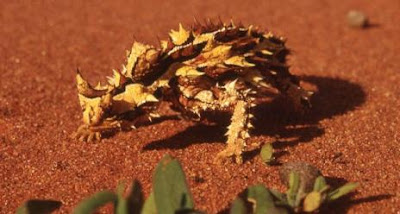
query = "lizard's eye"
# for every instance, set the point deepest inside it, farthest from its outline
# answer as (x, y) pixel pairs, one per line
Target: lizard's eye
(305, 101)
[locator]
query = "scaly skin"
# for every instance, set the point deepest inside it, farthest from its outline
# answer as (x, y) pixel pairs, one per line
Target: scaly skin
(209, 68)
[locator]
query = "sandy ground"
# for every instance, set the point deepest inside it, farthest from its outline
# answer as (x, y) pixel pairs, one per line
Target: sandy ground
(351, 134)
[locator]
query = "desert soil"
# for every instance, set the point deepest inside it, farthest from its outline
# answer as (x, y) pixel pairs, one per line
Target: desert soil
(351, 133)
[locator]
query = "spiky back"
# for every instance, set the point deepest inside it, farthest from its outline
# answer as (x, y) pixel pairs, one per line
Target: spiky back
(216, 49)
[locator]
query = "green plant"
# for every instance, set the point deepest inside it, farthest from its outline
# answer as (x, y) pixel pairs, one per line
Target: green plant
(267, 153)
(38, 206)
(260, 199)
(299, 200)
(170, 194)
(295, 200)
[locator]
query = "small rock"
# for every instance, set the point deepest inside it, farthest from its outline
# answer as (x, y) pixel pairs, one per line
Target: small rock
(357, 19)
(308, 173)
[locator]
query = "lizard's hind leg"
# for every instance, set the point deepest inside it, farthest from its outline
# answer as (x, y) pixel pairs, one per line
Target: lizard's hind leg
(238, 131)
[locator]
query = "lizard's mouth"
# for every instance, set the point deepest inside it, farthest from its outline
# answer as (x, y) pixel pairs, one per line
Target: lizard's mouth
(142, 115)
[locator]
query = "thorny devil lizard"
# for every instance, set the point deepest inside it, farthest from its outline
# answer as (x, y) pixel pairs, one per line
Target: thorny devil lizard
(212, 67)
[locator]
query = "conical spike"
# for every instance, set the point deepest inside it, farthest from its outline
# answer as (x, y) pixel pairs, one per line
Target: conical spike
(82, 84)
(231, 86)
(179, 37)
(196, 21)
(240, 24)
(154, 115)
(85, 89)
(249, 30)
(232, 24)
(245, 92)
(159, 40)
(151, 98)
(208, 21)
(220, 22)
(124, 70)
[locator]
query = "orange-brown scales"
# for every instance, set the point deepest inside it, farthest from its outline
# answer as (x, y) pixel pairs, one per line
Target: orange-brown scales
(209, 68)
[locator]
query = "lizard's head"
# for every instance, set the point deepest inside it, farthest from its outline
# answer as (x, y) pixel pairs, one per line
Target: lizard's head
(126, 92)
(94, 101)
(118, 97)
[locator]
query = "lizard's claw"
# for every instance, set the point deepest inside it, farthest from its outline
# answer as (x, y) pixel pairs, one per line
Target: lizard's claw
(229, 153)
(85, 134)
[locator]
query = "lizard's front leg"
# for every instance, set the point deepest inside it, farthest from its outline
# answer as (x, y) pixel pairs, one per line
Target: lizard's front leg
(96, 118)
(90, 133)
(110, 111)
(98, 104)
(95, 103)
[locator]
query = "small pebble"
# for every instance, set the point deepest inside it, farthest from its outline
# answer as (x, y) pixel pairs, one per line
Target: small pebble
(307, 172)
(357, 19)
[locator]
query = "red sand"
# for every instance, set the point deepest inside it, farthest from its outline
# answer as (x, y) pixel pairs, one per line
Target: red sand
(350, 134)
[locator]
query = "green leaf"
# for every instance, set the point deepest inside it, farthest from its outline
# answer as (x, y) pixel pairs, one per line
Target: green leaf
(170, 189)
(267, 153)
(292, 192)
(120, 189)
(312, 202)
(277, 210)
(188, 211)
(280, 196)
(319, 184)
(238, 207)
(135, 198)
(122, 204)
(38, 206)
(95, 201)
(149, 206)
(260, 197)
(341, 191)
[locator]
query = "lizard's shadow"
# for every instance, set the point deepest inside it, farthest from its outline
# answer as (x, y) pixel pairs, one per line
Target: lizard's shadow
(277, 119)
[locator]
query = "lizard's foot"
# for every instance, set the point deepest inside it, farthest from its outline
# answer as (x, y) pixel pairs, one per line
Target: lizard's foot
(85, 134)
(255, 144)
(228, 153)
